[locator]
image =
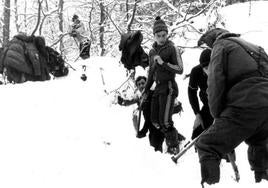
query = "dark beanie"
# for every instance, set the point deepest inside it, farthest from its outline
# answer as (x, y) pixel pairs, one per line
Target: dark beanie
(205, 57)
(159, 25)
(75, 17)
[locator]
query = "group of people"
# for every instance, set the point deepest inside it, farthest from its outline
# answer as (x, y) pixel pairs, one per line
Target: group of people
(232, 79)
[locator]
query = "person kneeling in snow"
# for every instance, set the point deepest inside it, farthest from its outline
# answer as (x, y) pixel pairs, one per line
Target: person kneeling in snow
(78, 32)
(156, 137)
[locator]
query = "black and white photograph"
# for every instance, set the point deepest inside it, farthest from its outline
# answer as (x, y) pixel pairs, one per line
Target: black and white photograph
(133, 93)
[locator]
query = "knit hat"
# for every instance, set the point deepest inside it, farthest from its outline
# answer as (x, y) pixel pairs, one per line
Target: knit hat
(75, 17)
(159, 25)
(205, 57)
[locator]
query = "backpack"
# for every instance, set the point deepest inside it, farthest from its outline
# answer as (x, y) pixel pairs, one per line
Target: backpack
(256, 52)
(32, 55)
(133, 54)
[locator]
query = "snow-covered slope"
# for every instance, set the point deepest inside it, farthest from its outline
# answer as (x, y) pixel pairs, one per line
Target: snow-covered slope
(65, 133)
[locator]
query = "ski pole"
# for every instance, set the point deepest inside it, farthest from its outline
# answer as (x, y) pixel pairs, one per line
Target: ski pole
(234, 166)
(186, 148)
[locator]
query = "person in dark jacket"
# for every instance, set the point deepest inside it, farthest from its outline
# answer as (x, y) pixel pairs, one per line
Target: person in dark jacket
(78, 32)
(164, 63)
(238, 102)
(198, 80)
(156, 137)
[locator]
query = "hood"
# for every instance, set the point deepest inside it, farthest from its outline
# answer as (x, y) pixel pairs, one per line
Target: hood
(210, 36)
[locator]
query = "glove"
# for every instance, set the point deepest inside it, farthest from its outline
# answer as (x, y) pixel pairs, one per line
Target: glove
(198, 121)
(177, 108)
(140, 134)
(73, 33)
(83, 77)
(120, 100)
(172, 138)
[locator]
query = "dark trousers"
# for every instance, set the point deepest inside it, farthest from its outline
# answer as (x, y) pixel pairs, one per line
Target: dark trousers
(156, 137)
(84, 48)
(162, 107)
(228, 131)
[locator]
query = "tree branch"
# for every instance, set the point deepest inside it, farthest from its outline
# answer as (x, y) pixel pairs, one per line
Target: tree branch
(38, 17)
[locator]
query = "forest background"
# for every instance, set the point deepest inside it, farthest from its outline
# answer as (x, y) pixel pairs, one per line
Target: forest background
(105, 20)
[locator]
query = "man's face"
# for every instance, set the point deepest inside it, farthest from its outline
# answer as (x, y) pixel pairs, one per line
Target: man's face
(205, 69)
(160, 37)
(141, 85)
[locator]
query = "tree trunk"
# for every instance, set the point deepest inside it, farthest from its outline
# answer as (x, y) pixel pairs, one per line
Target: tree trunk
(25, 16)
(16, 16)
(38, 16)
(102, 19)
(6, 27)
(61, 3)
(127, 9)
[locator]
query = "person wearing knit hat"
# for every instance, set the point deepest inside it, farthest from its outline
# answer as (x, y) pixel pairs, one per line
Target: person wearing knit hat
(164, 63)
(159, 25)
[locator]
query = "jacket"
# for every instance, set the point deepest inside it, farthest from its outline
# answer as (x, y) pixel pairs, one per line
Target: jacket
(172, 64)
(198, 80)
(229, 61)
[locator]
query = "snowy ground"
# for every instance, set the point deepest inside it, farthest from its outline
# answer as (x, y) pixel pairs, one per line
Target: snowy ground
(65, 133)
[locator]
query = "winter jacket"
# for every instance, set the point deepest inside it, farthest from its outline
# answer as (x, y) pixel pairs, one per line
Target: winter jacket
(198, 80)
(226, 85)
(163, 73)
(78, 31)
(133, 54)
(26, 54)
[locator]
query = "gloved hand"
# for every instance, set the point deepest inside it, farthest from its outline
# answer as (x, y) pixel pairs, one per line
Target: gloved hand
(140, 134)
(83, 77)
(172, 138)
(177, 107)
(198, 121)
(120, 100)
(73, 33)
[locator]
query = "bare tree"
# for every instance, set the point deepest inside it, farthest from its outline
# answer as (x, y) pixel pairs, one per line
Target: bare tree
(61, 4)
(131, 19)
(38, 16)
(101, 30)
(16, 16)
(25, 16)
(6, 27)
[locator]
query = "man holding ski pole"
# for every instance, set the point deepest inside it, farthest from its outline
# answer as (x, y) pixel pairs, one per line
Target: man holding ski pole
(238, 102)
(203, 120)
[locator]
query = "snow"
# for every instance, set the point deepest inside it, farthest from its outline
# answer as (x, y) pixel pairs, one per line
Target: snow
(66, 132)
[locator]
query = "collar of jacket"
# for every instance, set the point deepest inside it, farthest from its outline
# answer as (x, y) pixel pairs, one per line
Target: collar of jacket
(158, 48)
(226, 35)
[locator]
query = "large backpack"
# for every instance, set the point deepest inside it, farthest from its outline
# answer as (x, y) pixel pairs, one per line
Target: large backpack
(133, 54)
(256, 52)
(25, 56)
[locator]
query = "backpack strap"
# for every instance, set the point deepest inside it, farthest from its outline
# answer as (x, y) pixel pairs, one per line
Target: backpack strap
(255, 54)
